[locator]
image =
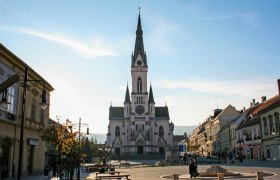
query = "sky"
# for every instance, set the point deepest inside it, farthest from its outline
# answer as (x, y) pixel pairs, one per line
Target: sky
(201, 54)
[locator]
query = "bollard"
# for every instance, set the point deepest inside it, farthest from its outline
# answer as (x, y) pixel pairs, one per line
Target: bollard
(259, 175)
(220, 176)
(176, 176)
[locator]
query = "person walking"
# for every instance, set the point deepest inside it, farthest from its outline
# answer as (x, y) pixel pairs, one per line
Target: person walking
(193, 168)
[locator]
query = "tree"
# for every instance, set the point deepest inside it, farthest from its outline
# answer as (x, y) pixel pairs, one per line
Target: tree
(66, 143)
(87, 150)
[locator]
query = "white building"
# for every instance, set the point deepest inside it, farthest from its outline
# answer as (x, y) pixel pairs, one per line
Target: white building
(139, 127)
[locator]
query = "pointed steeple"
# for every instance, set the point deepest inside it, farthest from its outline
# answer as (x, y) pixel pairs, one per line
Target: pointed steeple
(151, 96)
(127, 97)
(139, 44)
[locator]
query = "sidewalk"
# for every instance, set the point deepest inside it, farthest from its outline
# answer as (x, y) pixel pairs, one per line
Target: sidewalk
(42, 177)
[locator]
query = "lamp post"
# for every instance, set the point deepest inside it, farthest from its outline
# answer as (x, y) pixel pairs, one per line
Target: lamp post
(43, 105)
(79, 139)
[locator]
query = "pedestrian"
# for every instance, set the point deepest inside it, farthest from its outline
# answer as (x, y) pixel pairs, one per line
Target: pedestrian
(193, 168)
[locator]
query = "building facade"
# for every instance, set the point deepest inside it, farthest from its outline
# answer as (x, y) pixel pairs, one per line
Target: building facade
(139, 127)
(10, 119)
(270, 127)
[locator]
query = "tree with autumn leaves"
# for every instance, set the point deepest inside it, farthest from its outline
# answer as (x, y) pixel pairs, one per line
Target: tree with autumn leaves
(65, 142)
(62, 137)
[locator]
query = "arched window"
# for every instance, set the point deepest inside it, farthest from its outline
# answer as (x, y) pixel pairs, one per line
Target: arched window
(276, 117)
(161, 133)
(265, 125)
(139, 84)
(117, 131)
(270, 121)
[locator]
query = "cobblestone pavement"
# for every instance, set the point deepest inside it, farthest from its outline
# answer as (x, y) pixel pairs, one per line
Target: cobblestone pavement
(158, 173)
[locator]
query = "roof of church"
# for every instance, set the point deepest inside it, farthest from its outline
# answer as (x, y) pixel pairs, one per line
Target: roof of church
(151, 96)
(117, 113)
(139, 45)
(162, 113)
(127, 98)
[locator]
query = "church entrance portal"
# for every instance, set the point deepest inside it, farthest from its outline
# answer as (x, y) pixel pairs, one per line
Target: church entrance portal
(117, 151)
(140, 150)
(161, 150)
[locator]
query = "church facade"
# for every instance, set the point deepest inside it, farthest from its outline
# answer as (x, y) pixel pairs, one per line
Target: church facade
(138, 127)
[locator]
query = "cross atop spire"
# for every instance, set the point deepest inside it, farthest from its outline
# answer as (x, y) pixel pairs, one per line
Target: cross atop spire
(139, 8)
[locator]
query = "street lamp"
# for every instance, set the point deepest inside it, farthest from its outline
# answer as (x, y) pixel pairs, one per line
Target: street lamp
(79, 151)
(43, 105)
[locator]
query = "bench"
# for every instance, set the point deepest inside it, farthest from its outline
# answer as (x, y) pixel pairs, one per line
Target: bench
(126, 164)
(108, 172)
(119, 176)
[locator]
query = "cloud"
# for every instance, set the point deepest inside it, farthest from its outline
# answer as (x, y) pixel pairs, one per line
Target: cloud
(244, 88)
(196, 10)
(249, 18)
(86, 51)
(198, 97)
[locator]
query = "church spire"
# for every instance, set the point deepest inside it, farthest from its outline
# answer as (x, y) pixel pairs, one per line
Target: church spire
(127, 98)
(139, 44)
(151, 96)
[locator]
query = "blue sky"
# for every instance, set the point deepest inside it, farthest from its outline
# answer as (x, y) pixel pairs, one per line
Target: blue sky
(201, 54)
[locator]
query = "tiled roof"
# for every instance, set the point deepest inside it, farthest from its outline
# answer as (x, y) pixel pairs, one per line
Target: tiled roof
(252, 117)
(269, 103)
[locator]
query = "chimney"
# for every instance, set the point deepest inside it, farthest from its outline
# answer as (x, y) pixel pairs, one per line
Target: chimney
(244, 109)
(251, 104)
(254, 102)
(278, 81)
(263, 99)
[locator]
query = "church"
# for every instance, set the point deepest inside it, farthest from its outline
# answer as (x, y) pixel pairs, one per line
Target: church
(139, 128)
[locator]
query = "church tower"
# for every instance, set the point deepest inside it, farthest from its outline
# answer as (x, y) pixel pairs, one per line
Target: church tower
(139, 70)
(139, 129)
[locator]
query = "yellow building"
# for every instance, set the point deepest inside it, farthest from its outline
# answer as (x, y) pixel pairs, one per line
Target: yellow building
(36, 118)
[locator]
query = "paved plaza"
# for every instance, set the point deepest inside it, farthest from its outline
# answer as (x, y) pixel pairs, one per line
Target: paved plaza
(161, 173)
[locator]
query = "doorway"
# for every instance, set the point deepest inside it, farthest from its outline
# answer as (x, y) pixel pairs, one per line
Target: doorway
(140, 150)
(30, 159)
(161, 150)
(4, 162)
(117, 151)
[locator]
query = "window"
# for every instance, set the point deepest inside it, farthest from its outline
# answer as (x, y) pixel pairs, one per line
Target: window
(267, 148)
(117, 131)
(270, 123)
(11, 99)
(139, 84)
(161, 133)
(42, 116)
(33, 109)
(276, 117)
(265, 125)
